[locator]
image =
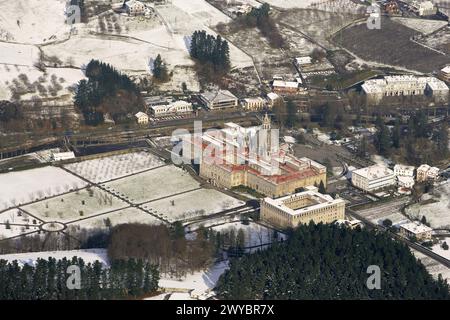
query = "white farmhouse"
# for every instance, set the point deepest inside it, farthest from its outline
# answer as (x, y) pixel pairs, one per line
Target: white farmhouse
(302, 61)
(272, 98)
(141, 117)
(135, 8)
(415, 229)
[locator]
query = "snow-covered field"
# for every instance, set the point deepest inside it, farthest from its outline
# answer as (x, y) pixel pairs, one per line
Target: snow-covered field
(25, 24)
(17, 222)
(184, 17)
(437, 248)
(200, 283)
(128, 43)
(88, 255)
(18, 54)
(165, 190)
(23, 186)
(10, 77)
(75, 205)
(422, 25)
(202, 11)
(437, 213)
(113, 167)
(433, 267)
(128, 215)
(192, 204)
(15, 231)
(125, 54)
(255, 234)
(32, 21)
(157, 183)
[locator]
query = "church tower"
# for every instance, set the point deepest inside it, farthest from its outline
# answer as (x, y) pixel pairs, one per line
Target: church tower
(266, 122)
(265, 137)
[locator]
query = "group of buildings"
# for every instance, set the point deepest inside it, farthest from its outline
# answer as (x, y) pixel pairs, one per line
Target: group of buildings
(422, 8)
(405, 85)
(252, 157)
(378, 176)
(158, 107)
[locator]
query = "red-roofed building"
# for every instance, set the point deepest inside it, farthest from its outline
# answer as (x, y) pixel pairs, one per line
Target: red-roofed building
(227, 161)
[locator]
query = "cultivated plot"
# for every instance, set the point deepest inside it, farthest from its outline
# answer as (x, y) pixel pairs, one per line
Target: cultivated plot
(192, 204)
(24, 186)
(128, 215)
(113, 167)
(377, 46)
(150, 185)
(14, 222)
(76, 205)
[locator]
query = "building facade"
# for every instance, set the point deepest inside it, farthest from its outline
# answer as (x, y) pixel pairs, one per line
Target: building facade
(272, 99)
(424, 8)
(373, 178)
(271, 170)
(415, 229)
(222, 99)
(141, 118)
(286, 87)
(402, 170)
(301, 208)
(135, 7)
(390, 86)
(426, 172)
(444, 74)
(174, 108)
(257, 103)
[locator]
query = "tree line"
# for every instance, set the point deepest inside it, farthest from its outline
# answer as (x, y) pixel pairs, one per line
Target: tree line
(260, 18)
(330, 262)
(10, 111)
(210, 50)
(106, 91)
(417, 142)
(162, 245)
(48, 279)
